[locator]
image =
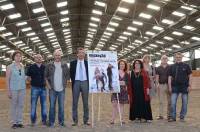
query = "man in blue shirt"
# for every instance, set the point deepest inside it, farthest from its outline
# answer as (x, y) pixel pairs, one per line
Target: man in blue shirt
(35, 74)
(179, 83)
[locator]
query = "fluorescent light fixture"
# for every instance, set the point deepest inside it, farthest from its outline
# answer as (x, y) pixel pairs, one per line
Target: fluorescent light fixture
(42, 18)
(153, 45)
(45, 24)
(7, 34)
(123, 37)
(157, 28)
(92, 29)
(61, 4)
(150, 33)
(168, 38)
(38, 10)
(3, 46)
(167, 21)
(145, 50)
(138, 41)
(122, 9)
(14, 16)
(129, 1)
(18, 42)
(2, 28)
(102, 4)
(34, 38)
(48, 29)
(198, 20)
(159, 42)
(6, 7)
(176, 13)
(187, 27)
(107, 33)
(50, 34)
(117, 18)
(153, 7)
(132, 28)
(64, 19)
(66, 30)
(65, 12)
(93, 25)
(97, 12)
(127, 33)
(187, 8)
(105, 36)
(26, 29)
(110, 29)
(33, 1)
(121, 40)
(137, 23)
(176, 46)
(114, 24)
(195, 38)
(177, 33)
(21, 24)
(95, 19)
(144, 15)
(30, 34)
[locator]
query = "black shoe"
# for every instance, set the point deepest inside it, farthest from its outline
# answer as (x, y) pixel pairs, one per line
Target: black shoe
(62, 125)
(87, 123)
(160, 118)
(44, 123)
(74, 124)
(20, 125)
(14, 126)
(182, 120)
(171, 120)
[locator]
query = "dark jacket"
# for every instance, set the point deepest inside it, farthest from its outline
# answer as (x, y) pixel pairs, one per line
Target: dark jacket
(73, 65)
(49, 74)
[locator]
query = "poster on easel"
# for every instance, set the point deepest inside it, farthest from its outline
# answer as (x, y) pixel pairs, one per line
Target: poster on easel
(103, 72)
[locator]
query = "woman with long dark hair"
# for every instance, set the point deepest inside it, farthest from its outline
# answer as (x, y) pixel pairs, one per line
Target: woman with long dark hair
(140, 108)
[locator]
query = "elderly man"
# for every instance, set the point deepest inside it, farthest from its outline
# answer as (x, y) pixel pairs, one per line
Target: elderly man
(57, 74)
(35, 73)
(179, 83)
(162, 74)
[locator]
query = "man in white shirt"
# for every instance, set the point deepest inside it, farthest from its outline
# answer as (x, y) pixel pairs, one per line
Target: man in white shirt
(57, 74)
(79, 77)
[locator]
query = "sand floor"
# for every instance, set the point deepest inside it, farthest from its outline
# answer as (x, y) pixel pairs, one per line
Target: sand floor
(101, 121)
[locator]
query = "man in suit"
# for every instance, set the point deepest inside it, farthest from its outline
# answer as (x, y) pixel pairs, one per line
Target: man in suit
(79, 77)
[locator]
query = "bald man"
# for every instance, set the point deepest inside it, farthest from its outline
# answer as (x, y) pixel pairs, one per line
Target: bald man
(35, 74)
(56, 74)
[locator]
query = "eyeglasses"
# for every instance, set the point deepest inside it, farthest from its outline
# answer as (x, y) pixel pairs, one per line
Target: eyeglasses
(20, 72)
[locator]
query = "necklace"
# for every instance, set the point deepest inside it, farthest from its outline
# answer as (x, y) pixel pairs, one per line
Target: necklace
(137, 74)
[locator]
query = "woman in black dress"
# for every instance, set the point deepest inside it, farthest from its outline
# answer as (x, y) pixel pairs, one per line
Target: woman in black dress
(140, 108)
(123, 95)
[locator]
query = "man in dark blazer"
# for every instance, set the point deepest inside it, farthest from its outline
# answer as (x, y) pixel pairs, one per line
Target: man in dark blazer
(79, 78)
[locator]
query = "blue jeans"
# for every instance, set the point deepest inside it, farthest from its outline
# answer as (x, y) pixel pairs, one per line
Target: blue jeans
(174, 98)
(53, 95)
(37, 92)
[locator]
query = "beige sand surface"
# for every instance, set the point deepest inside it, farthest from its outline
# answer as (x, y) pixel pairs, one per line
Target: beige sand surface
(101, 124)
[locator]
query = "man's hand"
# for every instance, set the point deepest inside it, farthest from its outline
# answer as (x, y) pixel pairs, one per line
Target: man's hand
(189, 89)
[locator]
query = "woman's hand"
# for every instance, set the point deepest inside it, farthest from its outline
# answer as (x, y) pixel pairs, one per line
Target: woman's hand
(147, 91)
(9, 95)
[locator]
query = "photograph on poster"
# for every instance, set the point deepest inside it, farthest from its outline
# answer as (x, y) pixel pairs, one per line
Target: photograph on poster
(103, 72)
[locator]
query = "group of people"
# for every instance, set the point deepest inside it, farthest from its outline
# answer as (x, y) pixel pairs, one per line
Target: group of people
(143, 81)
(137, 87)
(54, 77)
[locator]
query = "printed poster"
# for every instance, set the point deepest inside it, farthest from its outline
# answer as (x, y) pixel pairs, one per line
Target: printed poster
(103, 72)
